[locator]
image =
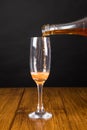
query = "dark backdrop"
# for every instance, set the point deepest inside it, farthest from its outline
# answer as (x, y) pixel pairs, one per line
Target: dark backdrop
(21, 19)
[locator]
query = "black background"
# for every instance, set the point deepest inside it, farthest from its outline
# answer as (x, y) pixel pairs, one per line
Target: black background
(21, 19)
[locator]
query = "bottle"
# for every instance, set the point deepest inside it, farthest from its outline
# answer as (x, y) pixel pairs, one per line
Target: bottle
(78, 27)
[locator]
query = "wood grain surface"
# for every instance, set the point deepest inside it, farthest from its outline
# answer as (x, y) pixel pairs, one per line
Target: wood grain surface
(67, 105)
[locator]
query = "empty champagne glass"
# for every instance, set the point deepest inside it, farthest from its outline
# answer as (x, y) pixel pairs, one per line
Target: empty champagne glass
(40, 62)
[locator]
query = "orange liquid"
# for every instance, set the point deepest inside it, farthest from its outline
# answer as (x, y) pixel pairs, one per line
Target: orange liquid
(39, 77)
(77, 31)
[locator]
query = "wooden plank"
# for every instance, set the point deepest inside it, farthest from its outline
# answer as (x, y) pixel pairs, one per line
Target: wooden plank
(75, 103)
(9, 101)
(52, 103)
(9, 91)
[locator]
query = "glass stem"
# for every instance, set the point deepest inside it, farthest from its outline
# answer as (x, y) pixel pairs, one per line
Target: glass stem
(40, 108)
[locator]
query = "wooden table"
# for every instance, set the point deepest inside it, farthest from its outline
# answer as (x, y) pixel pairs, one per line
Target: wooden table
(68, 106)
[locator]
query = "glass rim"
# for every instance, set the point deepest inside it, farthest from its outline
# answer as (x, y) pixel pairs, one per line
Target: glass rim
(39, 37)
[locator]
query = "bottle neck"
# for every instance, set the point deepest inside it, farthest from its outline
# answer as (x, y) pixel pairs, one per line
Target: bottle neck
(67, 28)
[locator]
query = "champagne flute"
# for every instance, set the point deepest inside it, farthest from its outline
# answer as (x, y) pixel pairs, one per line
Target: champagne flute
(40, 62)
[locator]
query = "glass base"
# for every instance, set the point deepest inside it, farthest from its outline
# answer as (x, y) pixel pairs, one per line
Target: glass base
(35, 115)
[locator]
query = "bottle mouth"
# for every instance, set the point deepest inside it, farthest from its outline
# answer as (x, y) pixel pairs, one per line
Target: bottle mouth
(45, 28)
